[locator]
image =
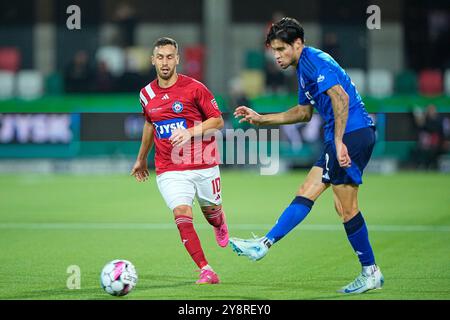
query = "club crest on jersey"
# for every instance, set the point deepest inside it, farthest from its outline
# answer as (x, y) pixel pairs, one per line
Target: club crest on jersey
(164, 128)
(177, 107)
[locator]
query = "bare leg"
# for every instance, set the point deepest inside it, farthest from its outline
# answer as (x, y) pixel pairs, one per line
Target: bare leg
(183, 210)
(313, 186)
(346, 200)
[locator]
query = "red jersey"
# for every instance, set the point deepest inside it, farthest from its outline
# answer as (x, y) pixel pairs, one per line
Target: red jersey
(182, 105)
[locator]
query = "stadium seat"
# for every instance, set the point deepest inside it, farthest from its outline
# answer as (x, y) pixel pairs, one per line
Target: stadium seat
(406, 82)
(447, 82)
(430, 82)
(6, 85)
(30, 84)
(253, 82)
(358, 77)
(9, 59)
(380, 83)
(114, 57)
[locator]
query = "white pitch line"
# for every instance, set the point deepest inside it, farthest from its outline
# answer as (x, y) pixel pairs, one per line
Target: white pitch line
(169, 226)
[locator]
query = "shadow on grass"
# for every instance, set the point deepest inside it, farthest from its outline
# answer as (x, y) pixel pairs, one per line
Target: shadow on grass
(156, 287)
(369, 295)
(60, 293)
(84, 293)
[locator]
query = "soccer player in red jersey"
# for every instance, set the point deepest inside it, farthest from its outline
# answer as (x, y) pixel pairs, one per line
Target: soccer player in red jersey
(180, 113)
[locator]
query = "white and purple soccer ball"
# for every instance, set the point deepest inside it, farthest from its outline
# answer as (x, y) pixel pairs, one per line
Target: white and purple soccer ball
(118, 277)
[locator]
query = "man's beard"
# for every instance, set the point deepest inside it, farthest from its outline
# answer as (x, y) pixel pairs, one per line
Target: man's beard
(166, 76)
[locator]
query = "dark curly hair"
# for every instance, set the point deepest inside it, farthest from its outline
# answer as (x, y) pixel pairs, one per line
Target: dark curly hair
(286, 30)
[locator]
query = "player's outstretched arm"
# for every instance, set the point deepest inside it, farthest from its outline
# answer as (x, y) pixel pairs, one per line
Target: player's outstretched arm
(140, 168)
(299, 113)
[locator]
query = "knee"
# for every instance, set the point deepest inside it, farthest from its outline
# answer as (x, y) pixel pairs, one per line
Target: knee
(345, 212)
(303, 188)
(339, 210)
(348, 213)
(308, 188)
(183, 210)
(312, 190)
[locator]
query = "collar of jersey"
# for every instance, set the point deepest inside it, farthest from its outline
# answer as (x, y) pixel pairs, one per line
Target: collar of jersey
(168, 88)
(299, 59)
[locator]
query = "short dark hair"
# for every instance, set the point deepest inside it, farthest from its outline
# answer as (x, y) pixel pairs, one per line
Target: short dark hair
(286, 30)
(164, 42)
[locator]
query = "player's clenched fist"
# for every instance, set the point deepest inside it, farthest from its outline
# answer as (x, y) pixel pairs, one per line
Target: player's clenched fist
(248, 115)
(140, 171)
(342, 155)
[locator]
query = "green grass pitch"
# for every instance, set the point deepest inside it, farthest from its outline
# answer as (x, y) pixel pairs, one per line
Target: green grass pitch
(49, 222)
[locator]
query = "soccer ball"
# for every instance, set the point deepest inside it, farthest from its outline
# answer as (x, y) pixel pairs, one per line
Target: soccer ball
(118, 277)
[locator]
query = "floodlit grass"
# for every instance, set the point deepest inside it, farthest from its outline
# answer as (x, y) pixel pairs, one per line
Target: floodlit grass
(50, 222)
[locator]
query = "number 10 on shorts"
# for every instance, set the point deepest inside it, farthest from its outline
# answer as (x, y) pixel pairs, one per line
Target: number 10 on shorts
(216, 185)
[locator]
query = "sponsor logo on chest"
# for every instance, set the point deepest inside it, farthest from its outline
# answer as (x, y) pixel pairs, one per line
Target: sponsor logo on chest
(164, 128)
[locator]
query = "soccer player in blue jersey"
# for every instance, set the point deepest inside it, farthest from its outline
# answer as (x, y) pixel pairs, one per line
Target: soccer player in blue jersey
(349, 141)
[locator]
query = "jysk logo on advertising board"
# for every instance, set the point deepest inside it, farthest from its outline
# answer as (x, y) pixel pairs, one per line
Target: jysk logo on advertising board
(177, 107)
(164, 128)
(36, 128)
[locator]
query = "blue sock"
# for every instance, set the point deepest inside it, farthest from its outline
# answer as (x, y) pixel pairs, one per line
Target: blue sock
(292, 216)
(359, 239)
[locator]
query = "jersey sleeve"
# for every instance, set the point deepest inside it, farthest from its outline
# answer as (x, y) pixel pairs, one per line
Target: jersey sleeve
(302, 96)
(206, 102)
(326, 77)
(142, 101)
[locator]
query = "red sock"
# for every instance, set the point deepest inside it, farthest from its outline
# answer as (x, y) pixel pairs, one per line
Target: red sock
(214, 216)
(190, 240)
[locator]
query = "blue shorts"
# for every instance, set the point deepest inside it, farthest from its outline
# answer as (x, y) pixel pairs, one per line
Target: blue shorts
(360, 145)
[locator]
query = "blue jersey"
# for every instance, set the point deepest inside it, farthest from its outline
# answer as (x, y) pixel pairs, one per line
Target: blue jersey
(317, 71)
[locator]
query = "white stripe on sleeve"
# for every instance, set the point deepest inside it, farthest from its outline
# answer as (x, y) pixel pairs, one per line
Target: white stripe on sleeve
(143, 99)
(149, 90)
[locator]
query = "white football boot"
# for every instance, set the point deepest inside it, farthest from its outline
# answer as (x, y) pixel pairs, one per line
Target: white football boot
(254, 249)
(370, 278)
